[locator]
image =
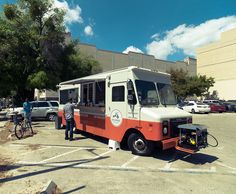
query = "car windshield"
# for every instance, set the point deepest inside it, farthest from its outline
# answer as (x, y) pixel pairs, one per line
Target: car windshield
(147, 93)
(166, 93)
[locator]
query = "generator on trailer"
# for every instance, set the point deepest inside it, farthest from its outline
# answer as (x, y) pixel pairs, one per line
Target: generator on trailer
(135, 106)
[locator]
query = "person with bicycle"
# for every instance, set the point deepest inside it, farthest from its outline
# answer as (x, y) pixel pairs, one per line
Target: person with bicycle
(27, 111)
(21, 127)
(68, 113)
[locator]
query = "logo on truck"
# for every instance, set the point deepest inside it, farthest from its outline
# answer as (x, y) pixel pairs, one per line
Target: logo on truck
(116, 118)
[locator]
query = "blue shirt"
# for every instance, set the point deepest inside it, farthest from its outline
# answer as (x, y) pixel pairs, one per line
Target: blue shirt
(27, 107)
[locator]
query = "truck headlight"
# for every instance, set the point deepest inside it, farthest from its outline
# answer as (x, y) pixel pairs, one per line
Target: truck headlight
(165, 125)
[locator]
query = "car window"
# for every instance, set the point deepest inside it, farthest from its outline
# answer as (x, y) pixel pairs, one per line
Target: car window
(34, 104)
(54, 104)
(190, 104)
(199, 103)
(43, 104)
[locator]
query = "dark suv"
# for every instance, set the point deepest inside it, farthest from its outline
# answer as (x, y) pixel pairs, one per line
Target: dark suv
(44, 109)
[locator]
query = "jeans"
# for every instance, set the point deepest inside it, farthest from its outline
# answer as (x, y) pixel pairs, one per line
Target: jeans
(27, 117)
(69, 127)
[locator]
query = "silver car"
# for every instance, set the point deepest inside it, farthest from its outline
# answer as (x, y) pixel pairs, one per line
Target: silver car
(44, 109)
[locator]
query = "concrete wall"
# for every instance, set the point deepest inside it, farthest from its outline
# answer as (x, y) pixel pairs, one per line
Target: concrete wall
(218, 60)
(114, 60)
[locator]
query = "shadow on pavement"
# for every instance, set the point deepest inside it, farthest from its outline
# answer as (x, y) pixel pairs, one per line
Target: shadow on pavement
(13, 178)
(73, 190)
(173, 155)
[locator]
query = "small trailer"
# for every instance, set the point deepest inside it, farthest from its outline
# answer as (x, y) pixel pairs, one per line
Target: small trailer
(133, 106)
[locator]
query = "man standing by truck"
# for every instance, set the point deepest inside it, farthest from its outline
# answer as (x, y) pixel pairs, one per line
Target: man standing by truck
(68, 113)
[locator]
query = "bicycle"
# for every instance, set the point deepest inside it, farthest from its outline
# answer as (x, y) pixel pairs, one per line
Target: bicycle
(22, 126)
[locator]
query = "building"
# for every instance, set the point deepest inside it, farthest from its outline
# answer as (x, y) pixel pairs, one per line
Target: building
(218, 60)
(45, 95)
(110, 60)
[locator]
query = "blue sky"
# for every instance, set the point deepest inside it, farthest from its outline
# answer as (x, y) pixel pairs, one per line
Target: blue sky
(167, 29)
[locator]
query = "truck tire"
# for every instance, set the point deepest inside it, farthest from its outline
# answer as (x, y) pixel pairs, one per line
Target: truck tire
(138, 145)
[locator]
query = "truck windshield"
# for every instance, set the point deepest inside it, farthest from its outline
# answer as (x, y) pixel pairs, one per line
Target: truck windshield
(166, 94)
(147, 93)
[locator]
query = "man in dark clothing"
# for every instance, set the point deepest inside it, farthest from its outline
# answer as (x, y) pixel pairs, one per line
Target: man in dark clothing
(68, 112)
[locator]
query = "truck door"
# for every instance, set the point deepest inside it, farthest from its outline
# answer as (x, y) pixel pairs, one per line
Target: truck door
(116, 102)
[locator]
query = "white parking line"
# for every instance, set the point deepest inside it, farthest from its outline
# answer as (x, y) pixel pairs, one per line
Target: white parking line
(190, 170)
(58, 146)
(224, 165)
(57, 156)
(129, 161)
(32, 151)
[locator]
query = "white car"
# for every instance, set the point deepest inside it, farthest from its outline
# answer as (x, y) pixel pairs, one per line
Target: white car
(196, 107)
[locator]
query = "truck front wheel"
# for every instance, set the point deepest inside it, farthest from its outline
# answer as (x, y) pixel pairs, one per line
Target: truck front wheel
(138, 145)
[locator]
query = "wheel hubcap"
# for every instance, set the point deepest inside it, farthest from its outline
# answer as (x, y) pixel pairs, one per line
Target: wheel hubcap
(139, 144)
(51, 117)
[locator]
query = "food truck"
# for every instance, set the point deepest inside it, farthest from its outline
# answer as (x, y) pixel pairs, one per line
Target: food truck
(133, 106)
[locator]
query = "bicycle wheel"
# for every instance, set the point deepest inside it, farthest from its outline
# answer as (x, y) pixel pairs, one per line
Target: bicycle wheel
(19, 131)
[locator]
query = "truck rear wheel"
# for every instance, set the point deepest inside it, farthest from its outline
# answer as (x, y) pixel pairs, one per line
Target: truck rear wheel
(138, 145)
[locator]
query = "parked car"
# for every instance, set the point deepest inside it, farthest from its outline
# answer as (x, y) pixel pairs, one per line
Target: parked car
(217, 107)
(40, 109)
(181, 104)
(44, 109)
(210, 101)
(54, 103)
(196, 107)
(229, 106)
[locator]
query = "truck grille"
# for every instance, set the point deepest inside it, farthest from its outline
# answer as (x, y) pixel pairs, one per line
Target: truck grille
(174, 131)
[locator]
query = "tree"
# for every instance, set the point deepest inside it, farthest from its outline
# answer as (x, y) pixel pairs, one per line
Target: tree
(185, 85)
(32, 38)
(33, 53)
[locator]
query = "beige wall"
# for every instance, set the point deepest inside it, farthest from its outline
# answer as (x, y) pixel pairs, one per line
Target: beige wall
(218, 60)
(114, 60)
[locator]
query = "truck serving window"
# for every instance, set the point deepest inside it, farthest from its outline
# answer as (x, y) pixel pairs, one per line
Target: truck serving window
(118, 94)
(147, 93)
(166, 94)
(100, 93)
(68, 94)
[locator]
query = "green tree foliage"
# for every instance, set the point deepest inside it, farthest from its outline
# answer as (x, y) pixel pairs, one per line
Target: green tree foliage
(33, 52)
(185, 85)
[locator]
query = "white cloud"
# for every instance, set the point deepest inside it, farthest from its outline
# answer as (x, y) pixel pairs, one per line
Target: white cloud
(188, 38)
(132, 49)
(72, 14)
(88, 30)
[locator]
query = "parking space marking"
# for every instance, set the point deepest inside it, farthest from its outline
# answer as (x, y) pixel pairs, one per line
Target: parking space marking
(212, 170)
(48, 159)
(189, 170)
(60, 155)
(59, 146)
(32, 151)
(129, 161)
(224, 165)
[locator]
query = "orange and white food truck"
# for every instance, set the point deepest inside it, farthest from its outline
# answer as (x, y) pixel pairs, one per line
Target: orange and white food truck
(133, 106)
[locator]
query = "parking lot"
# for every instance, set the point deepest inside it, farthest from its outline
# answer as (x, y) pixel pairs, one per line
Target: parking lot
(86, 165)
